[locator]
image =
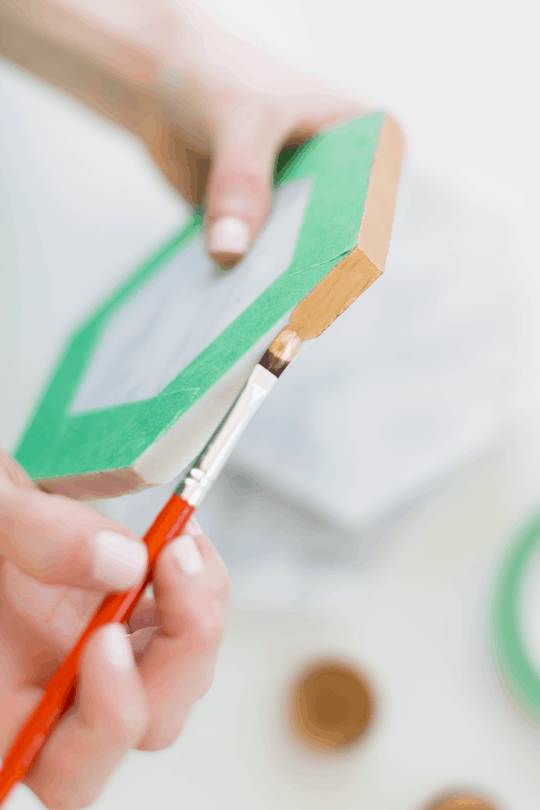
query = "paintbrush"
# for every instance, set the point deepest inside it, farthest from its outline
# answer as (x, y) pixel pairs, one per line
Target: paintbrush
(313, 315)
(343, 284)
(362, 265)
(169, 524)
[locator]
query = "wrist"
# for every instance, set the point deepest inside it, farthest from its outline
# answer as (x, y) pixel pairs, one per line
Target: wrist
(130, 38)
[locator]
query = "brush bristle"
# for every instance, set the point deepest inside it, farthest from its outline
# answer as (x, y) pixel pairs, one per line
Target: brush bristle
(280, 353)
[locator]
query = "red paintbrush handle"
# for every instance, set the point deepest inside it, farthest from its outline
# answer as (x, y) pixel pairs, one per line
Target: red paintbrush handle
(60, 690)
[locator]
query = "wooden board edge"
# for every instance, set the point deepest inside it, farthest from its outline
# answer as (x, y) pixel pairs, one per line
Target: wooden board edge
(356, 271)
(94, 486)
(333, 295)
(173, 451)
(376, 226)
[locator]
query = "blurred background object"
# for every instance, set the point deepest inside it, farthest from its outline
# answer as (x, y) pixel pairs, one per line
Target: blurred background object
(515, 627)
(331, 705)
(461, 802)
(373, 537)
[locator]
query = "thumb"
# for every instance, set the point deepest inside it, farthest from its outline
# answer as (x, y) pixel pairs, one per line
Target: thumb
(240, 189)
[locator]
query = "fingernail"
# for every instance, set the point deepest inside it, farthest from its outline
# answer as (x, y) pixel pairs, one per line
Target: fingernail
(118, 561)
(187, 555)
(229, 235)
(118, 648)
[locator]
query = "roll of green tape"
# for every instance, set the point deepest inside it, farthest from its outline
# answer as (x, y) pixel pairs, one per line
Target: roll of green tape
(513, 655)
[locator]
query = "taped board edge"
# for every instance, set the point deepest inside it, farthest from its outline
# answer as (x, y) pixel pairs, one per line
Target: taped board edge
(172, 452)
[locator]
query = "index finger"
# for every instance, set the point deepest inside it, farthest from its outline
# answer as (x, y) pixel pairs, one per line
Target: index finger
(60, 541)
(13, 473)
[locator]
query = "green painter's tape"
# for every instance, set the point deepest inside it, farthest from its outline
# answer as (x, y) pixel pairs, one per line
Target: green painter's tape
(512, 656)
(59, 443)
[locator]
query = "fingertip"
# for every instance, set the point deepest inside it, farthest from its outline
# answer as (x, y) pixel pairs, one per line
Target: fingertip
(229, 240)
(193, 527)
(110, 681)
(13, 473)
(108, 718)
(60, 541)
(118, 561)
(239, 195)
(187, 556)
(116, 648)
(108, 650)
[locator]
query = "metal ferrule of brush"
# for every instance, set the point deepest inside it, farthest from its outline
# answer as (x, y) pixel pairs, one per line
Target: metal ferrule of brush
(214, 456)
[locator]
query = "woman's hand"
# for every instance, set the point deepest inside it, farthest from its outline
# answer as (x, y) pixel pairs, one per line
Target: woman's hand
(228, 108)
(213, 109)
(135, 691)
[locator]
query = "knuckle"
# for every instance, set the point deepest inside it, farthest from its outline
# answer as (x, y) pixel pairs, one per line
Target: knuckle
(243, 176)
(54, 799)
(159, 740)
(205, 685)
(241, 190)
(221, 592)
(67, 802)
(238, 180)
(11, 471)
(43, 535)
(224, 591)
(209, 633)
(127, 726)
(227, 98)
(135, 727)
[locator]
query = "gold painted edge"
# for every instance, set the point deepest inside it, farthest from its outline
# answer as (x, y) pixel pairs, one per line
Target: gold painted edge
(333, 295)
(376, 226)
(354, 273)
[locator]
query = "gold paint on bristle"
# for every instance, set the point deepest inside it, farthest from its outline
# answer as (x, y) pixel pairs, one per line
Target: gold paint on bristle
(281, 351)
